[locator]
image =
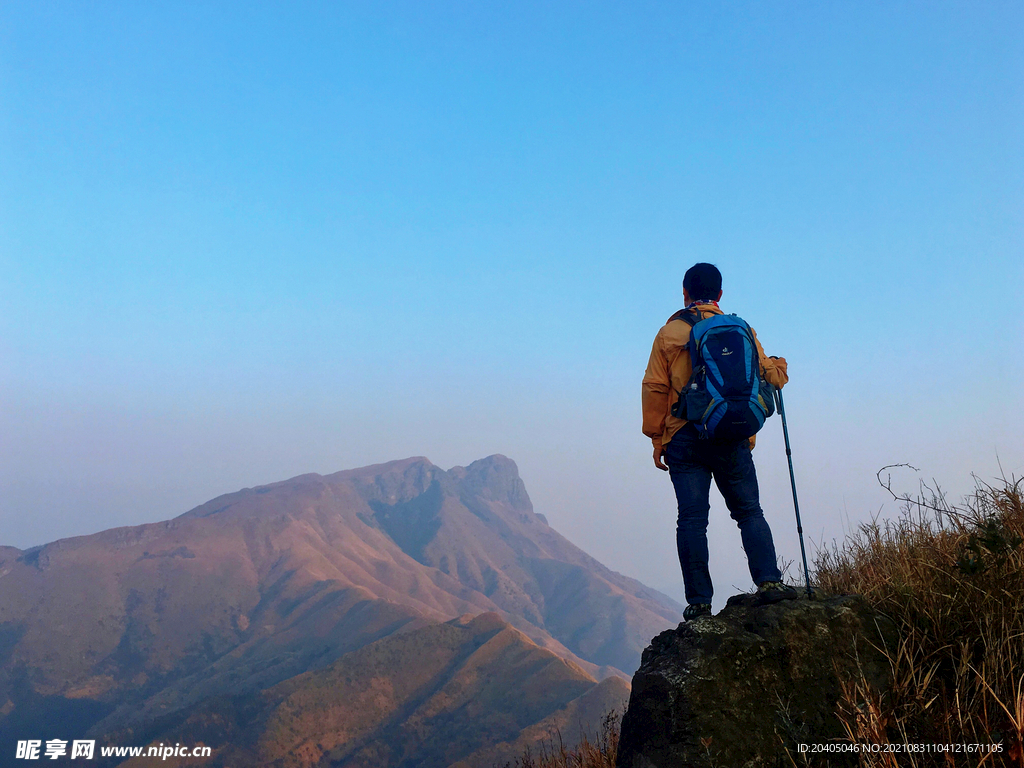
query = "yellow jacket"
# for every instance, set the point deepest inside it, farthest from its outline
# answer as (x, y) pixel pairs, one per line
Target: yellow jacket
(669, 369)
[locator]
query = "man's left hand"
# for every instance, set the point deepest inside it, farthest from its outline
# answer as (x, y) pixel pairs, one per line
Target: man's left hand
(658, 451)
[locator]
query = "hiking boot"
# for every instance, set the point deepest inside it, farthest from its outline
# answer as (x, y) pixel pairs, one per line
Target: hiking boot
(696, 610)
(774, 591)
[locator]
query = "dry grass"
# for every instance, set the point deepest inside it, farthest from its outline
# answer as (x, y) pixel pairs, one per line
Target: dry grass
(596, 751)
(952, 578)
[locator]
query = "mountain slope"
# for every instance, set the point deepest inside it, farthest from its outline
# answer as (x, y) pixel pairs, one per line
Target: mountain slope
(477, 524)
(466, 690)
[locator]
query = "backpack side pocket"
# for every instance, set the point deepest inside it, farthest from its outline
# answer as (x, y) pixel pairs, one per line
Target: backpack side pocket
(767, 398)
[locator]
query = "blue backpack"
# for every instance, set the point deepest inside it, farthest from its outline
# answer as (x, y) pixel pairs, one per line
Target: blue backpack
(726, 398)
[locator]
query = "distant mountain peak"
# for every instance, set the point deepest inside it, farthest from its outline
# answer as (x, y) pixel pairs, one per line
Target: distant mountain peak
(495, 478)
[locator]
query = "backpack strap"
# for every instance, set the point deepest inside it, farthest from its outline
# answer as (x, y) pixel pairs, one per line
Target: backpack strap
(689, 316)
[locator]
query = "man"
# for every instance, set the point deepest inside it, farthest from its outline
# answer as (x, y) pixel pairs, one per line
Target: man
(692, 461)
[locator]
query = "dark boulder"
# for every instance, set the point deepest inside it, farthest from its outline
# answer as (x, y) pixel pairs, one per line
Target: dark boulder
(741, 688)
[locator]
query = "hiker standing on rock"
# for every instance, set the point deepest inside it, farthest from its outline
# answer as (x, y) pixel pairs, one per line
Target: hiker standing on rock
(707, 390)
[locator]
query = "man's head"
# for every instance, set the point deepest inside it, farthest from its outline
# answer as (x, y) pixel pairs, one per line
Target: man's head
(702, 282)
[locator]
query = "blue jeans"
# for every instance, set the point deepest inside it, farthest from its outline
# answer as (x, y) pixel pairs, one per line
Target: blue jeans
(692, 462)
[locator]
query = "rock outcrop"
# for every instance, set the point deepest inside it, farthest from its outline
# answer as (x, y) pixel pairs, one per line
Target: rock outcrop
(741, 688)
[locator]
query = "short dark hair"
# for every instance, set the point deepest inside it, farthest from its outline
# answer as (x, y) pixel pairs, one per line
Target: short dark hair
(702, 282)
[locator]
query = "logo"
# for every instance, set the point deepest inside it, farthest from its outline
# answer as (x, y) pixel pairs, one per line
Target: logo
(725, 351)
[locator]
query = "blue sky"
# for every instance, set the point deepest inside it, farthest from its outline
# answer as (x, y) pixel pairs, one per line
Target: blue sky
(241, 243)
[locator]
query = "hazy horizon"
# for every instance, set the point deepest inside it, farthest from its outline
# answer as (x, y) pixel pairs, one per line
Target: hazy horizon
(242, 244)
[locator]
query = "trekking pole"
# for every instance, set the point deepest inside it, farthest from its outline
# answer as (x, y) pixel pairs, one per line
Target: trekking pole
(792, 481)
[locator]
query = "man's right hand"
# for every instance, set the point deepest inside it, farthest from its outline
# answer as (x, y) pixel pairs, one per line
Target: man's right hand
(658, 450)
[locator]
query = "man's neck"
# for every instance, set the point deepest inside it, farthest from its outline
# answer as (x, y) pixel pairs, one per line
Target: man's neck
(698, 302)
